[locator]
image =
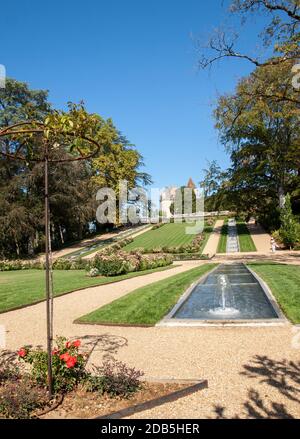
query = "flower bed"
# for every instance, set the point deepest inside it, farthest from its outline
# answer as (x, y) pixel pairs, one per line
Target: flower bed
(24, 394)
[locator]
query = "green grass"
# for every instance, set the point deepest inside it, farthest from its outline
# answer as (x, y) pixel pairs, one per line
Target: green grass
(245, 239)
(149, 304)
(25, 287)
(284, 282)
(223, 238)
(170, 235)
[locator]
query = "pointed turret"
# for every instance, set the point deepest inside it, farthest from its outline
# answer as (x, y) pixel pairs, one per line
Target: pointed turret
(191, 184)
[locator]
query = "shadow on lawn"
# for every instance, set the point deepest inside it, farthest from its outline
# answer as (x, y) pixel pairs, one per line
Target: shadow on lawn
(282, 375)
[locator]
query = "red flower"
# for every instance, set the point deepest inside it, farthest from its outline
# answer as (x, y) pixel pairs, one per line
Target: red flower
(22, 352)
(55, 351)
(65, 357)
(71, 362)
(68, 344)
(76, 343)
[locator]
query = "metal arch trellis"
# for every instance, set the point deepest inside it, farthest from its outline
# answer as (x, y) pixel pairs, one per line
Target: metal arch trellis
(31, 128)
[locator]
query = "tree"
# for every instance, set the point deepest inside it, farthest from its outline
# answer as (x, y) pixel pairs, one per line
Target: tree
(282, 35)
(72, 185)
(20, 221)
(214, 185)
(61, 137)
(122, 162)
(289, 230)
(262, 136)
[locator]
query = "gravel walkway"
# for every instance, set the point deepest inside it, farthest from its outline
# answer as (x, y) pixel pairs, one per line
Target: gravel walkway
(261, 238)
(251, 372)
(213, 241)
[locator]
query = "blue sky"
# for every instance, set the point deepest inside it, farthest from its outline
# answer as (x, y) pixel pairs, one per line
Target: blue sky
(134, 61)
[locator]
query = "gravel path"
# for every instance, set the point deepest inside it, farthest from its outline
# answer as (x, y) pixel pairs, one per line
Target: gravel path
(261, 238)
(213, 241)
(251, 372)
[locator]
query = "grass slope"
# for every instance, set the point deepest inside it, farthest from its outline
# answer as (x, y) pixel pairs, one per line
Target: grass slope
(223, 238)
(149, 304)
(284, 282)
(25, 287)
(171, 235)
(245, 239)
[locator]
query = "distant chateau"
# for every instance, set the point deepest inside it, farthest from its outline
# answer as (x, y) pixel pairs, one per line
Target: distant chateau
(167, 197)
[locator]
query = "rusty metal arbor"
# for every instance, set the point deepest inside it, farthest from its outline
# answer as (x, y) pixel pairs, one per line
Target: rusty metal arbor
(77, 145)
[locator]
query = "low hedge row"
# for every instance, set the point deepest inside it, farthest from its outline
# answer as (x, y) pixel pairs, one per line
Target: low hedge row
(113, 264)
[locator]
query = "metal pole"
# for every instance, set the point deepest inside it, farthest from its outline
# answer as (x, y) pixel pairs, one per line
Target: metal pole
(48, 298)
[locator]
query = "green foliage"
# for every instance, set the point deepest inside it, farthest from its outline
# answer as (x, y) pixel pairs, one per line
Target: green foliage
(114, 264)
(68, 365)
(115, 379)
(262, 136)
(19, 399)
(70, 135)
(290, 229)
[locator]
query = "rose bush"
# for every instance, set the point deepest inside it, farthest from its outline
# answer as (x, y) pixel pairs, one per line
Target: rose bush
(68, 365)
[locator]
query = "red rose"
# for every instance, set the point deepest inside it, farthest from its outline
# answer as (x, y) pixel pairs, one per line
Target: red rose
(55, 351)
(71, 362)
(65, 357)
(68, 344)
(22, 352)
(76, 343)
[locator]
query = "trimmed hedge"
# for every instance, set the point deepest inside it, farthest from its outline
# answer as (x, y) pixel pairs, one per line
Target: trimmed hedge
(113, 264)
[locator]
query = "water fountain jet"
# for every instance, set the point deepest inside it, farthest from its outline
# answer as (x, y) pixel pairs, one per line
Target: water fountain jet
(224, 298)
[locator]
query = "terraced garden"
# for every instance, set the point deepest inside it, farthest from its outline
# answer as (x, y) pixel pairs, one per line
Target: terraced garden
(169, 235)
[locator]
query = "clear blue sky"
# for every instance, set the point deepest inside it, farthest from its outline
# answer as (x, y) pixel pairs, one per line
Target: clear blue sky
(134, 61)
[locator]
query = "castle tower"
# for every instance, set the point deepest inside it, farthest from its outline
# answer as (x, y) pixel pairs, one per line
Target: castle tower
(191, 184)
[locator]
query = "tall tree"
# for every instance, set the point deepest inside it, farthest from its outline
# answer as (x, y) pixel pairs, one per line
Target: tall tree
(262, 136)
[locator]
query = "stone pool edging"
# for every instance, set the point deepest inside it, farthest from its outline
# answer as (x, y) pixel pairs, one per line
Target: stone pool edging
(169, 321)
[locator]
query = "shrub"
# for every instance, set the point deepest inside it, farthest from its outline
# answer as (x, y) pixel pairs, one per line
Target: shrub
(69, 264)
(123, 262)
(290, 229)
(7, 265)
(9, 371)
(277, 237)
(115, 378)
(68, 365)
(19, 399)
(111, 265)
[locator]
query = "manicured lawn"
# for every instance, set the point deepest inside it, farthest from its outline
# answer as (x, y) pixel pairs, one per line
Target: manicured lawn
(245, 240)
(171, 235)
(24, 287)
(284, 282)
(149, 304)
(223, 238)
